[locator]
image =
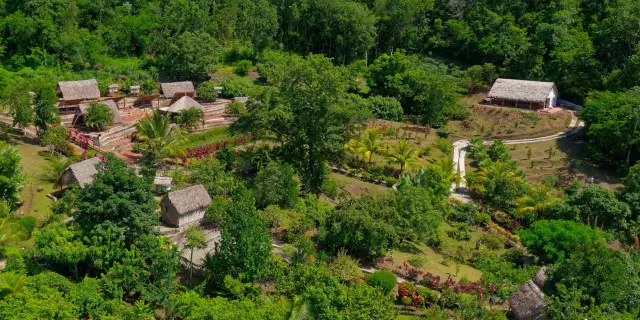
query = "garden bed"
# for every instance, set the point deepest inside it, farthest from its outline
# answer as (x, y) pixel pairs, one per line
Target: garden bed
(492, 122)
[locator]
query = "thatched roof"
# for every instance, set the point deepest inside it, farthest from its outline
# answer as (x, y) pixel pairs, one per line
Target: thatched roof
(170, 89)
(117, 117)
(79, 90)
(184, 103)
(521, 90)
(189, 199)
(541, 277)
(527, 302)
(84, 171)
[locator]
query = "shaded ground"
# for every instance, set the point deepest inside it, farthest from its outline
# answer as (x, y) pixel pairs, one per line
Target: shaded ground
(563, 159)
(357, 187)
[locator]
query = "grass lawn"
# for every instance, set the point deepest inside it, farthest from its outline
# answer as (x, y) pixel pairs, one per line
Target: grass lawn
(207, 137)
(559, 164)
(356, 187)
(434, 259)
(507, 123)
(34, 165)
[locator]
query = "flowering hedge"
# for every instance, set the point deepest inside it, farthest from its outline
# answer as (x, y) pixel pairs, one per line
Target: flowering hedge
(503, 231)
(211, 149)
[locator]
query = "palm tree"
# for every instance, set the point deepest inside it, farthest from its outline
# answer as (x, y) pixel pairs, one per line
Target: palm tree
(370, 143)
(497, 171)
(536, 202)
(98, 116)
(404, 154)
(11, 284)
(189, 118)
(160, 139)
(11, 232)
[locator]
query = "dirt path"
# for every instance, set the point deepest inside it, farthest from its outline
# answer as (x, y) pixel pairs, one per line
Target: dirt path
(458, 190)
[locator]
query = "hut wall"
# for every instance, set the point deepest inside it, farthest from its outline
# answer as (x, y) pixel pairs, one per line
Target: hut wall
(169, 213)
(191, 217)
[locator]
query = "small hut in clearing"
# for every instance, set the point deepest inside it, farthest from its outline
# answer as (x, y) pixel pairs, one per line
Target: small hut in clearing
(184, 103)
(117, 117)
(113, 88)
(134, 89)
(524, 94)
(81, 172)
(186, 206)
(175, 90)
(527, 302)
(81, 90)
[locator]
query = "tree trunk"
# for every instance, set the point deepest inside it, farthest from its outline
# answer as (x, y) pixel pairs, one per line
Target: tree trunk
(191, 265)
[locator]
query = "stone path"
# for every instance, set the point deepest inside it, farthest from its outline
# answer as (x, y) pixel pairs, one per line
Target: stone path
(458, 190)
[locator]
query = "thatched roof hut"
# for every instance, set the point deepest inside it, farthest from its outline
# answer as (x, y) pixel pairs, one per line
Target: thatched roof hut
(185, 206)
(81, 172)
(184, 103)
(527, 302)
(522, 91)
(78, 90)
(117, 117)
(171, 89)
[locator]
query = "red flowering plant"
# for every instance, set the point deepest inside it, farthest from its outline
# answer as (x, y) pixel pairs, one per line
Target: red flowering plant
(407, 289)
(211, 149)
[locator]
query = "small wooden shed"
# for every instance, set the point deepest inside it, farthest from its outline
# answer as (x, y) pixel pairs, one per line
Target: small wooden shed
(134, 89)
(81, 172)
(186, 206)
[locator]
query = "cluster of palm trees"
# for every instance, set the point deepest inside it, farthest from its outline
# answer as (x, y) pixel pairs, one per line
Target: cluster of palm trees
(402, 153)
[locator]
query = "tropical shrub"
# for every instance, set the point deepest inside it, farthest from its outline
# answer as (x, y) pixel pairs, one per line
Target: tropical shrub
(243, 67)
(382, 279)
(235, 87)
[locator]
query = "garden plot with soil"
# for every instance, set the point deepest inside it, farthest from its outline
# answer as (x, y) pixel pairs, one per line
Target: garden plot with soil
(491, 122)
(561, 162)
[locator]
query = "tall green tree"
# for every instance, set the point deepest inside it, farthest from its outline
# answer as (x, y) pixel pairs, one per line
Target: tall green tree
(245, 247)
(12, 177)
(195, 240)
(119, 197)
(309, 112)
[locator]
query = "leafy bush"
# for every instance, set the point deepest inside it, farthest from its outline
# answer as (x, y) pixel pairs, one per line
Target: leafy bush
(417, 261)
(382, 279)
(460, 232)
(28, 223)
(275, 184)
(387, 108)
(493, 241)
(216, 211)
(235, 87)
(330, 188)
(554, 240)
(442, 133)
(207, 91)
(444, 145)
(345, 267)
(463, 212)
(243, 67)
(457, 112)
(238, 108)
